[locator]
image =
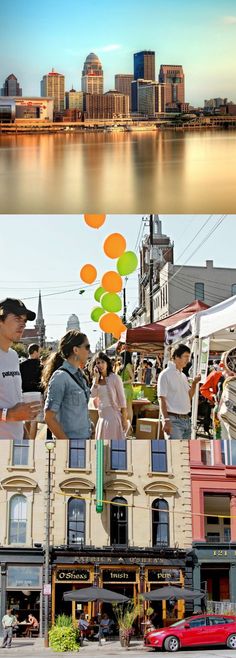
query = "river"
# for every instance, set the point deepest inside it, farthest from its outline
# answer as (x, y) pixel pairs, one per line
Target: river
(165, 172)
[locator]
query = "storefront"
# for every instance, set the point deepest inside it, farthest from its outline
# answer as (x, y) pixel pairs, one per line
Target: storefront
(128, 571)
(166, 612)
(215, 572)
(64, 579)
(22, 583)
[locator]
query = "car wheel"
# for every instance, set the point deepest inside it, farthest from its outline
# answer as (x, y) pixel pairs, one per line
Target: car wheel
(171, 643)
(231, 641)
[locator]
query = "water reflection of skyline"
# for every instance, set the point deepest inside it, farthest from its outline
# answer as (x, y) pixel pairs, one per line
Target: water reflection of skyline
(119, 173)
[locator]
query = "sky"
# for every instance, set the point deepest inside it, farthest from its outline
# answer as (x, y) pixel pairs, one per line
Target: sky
(200, 35)
(48, 252)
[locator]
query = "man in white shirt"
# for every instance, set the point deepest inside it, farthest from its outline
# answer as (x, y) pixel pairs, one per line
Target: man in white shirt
(8, 621)
(175, 395)
(13, 318)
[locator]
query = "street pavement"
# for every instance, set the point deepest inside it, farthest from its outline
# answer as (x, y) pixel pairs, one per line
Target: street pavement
(35, 648)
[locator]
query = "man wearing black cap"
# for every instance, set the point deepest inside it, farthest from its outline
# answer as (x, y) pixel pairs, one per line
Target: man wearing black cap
(13, 318)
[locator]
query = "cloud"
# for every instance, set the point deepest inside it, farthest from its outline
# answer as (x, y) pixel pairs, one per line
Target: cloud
(108, 49)
(229, 20)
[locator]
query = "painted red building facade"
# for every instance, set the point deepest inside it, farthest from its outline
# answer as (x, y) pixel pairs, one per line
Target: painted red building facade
(213, 478)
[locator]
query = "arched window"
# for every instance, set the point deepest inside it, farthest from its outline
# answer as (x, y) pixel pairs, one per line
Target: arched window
(76, 521)
(160, 522)
(18, 520)
(119, 522)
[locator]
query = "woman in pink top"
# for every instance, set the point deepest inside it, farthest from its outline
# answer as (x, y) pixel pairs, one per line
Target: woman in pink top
(109, 398)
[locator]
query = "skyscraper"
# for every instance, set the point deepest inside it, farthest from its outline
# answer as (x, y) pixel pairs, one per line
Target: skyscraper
(53, 85)
(73, 323)
(11, 86)
(172, 76)
(123, 84)
(92, 75)
(144, 65)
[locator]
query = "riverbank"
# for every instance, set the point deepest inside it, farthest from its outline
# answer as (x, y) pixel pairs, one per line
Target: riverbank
(107, 126)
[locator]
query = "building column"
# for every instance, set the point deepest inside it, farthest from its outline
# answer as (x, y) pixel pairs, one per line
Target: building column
(233, 518)
(232, 581)
(197, 585)
(217, 453)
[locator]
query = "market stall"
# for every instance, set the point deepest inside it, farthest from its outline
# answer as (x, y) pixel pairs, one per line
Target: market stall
(210, 330)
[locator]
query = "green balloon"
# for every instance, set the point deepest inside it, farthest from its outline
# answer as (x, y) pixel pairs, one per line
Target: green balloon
(97, 313)
(127, 263)
(98, 293)
(111, 302)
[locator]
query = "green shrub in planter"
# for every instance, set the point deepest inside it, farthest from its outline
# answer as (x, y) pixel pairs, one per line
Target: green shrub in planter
(63, 638)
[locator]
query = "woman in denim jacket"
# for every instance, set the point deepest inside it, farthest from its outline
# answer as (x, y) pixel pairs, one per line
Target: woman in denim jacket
(67, 391)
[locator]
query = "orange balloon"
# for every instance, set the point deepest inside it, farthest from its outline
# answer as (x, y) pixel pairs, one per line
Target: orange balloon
(95, 221)
(123, 327)
(110, 323)
(115, 245)
(112, 282)
(88, 273)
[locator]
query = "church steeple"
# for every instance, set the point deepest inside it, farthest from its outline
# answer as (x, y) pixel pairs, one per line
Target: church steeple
(40, 324)
(40, 319)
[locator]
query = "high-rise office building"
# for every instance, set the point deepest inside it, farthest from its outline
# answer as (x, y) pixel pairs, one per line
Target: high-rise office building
(106, 106)
(74, 100)
(152, 99)
(53, 85)
(92, 75)
(123, 84)
(135, 88)
(173, 77)
(11, 86)
(144, 65)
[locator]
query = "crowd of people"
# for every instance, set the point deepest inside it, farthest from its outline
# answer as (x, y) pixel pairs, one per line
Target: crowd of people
(66, 381)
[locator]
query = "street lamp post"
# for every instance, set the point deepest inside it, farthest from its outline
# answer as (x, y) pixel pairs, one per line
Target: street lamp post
(49, 444)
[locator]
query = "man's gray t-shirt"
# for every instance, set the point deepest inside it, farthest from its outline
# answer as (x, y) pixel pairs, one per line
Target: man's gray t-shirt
(10, 392)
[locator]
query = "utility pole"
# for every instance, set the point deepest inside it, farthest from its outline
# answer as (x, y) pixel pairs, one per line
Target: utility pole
(151, 231)
(124, 303)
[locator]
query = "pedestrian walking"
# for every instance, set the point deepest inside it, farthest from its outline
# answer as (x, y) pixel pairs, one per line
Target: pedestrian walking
(9, 621)
(31, 372)
(109, 397)
(175, 395)
(67, 390)
(13, 411)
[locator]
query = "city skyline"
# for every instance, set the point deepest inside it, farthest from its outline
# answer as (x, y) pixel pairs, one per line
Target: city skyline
(209, 70)
(56, 272)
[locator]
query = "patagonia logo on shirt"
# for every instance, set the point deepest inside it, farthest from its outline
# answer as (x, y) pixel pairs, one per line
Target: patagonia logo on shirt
(11, 373)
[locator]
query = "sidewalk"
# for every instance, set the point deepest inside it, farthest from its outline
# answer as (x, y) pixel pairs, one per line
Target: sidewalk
(35, 647)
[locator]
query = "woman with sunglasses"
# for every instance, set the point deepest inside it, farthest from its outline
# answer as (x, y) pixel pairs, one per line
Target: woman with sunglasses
(109, 398)
(67, 390)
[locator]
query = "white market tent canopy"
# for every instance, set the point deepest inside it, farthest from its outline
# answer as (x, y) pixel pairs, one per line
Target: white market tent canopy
(219, 323)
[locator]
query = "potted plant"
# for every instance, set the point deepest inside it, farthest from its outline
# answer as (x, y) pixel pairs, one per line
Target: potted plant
(64, 635)
(126, 615)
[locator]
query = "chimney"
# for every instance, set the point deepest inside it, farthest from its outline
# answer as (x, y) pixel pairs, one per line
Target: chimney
(209, 264)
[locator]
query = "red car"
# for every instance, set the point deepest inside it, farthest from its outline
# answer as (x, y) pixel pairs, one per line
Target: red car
(200, 630)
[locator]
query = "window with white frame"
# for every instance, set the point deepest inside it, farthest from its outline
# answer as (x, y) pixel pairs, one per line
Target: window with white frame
(20, 452)
(228, 452)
